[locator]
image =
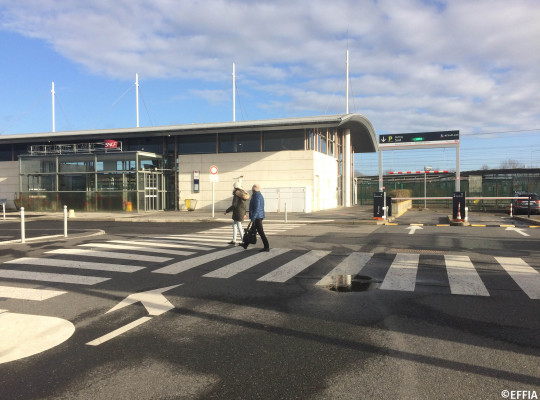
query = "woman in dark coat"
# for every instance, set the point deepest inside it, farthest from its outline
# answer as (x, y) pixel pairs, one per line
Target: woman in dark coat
(238, 208)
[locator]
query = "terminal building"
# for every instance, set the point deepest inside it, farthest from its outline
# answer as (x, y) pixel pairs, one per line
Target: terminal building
(302, 164)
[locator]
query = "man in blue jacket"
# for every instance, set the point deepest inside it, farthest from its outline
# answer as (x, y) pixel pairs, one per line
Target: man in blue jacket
(256, 215)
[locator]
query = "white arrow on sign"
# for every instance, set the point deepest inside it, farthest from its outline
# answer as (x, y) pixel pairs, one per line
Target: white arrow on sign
(518, 230)
(413, 229)
(154, 302)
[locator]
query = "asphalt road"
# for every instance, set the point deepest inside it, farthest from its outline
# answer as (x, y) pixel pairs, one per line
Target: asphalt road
(170, 311)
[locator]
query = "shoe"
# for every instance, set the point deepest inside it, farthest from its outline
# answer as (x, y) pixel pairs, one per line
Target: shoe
(265, 249)
(244, 246)
(231, 242)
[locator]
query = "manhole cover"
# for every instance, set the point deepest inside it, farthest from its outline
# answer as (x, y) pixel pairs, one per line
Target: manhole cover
(352, 283)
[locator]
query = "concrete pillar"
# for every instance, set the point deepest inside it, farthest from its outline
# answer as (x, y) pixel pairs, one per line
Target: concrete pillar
(347, 181)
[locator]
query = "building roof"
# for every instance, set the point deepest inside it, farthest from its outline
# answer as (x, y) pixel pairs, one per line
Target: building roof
(363, 136)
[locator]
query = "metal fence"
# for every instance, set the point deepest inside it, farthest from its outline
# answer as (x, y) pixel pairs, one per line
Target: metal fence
(500, 183)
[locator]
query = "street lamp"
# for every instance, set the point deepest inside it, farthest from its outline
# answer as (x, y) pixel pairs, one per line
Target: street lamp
(426, 170)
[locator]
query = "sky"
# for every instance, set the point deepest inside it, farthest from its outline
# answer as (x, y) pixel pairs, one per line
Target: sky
(415, 66)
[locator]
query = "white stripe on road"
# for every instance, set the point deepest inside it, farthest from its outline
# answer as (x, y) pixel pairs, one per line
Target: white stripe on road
(109, 254)
(524, 275)
(243, 265)
(138, 248)
(198, 240)
(463, 277)
(10, 292)
(184, 265)
(118, 331)
(176, 244)
(47, 277)
(402, 273)
(352, 265)
(294, 267)
(53, 262)
(199, 237)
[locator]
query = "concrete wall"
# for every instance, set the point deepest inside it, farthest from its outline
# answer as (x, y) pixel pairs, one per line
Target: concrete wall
(283, 169)
(325, 171)
(9, 182)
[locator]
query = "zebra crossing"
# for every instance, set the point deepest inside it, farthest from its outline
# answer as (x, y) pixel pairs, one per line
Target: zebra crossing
(201, 251)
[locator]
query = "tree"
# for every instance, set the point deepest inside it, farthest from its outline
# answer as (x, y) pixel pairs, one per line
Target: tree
(511, 164)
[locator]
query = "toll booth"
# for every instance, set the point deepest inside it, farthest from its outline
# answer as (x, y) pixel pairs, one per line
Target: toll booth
(378, 205)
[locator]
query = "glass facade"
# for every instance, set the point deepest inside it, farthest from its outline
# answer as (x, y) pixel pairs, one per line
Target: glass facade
(284, 140)
(116, 181)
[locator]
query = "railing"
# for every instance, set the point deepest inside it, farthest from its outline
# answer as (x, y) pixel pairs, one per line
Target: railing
(45, 149)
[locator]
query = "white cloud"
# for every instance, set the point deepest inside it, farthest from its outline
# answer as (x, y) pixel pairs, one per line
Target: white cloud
(414, 64)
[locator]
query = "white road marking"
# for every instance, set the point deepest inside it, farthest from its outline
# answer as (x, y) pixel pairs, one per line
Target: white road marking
(294, 267)
(23, 335)
(10, 292)
(177, 244)
(184, 265)
(244, 264)
(52, 262)
(413, 229)
(524, 275)
(138, 248)
(118, 331)
(402, 273)
(518, 230)
(200, 240)
(47, 277)
(352, 265)
(153, 300)
(109, 254)
(463, 277)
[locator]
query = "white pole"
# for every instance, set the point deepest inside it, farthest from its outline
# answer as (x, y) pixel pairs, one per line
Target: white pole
(425, 191)
(285, 212)
(53, 122)
(137, 96)
(233, 94)
(4, 210)
(65, 221)
(23, 233)
(213, 199)
(347, 88)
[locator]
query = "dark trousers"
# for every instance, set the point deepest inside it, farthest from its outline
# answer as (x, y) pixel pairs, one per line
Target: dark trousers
(260, 231)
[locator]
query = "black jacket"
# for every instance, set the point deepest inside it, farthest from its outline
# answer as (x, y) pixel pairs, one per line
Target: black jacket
(238, 206)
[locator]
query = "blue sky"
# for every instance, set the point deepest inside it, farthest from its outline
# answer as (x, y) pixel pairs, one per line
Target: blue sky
(414, 66)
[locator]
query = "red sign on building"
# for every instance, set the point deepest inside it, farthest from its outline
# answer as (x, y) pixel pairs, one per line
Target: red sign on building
(111, 144)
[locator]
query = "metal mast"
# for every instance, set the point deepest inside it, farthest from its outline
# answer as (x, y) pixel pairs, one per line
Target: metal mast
(53, 116)
(233, 94)
(347, 88)
(137, 96)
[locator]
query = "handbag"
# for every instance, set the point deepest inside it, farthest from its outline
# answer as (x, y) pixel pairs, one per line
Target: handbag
(250, 235)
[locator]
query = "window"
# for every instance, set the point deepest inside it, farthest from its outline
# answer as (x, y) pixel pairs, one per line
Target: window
(197, 144)
(283, 140)
(239, 142)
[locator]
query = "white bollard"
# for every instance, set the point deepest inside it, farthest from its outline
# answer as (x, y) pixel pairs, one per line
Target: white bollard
(466, 214)
(4, 210)
(23, 233)
(65, 221)
(511, 210)
(285, 212)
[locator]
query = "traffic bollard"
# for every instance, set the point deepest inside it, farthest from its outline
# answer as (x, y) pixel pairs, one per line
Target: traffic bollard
(65, 221)
(4, 210)
(285, 212)
(23, 234)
